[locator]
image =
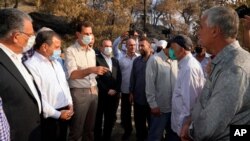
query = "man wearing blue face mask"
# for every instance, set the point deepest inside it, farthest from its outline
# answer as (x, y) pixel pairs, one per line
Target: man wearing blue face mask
(51, 81)
(82, 71)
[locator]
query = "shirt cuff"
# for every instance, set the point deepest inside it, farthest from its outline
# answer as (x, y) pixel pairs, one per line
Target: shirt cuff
(153, 105)
(56, 114)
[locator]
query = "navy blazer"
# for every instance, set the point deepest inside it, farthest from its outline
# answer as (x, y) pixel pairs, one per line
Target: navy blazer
(19, 104)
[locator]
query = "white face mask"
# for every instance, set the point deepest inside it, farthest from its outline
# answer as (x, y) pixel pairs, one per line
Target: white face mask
(86, 39)
(30, 43)
(153, 46)
(108, 51)
(124, 48)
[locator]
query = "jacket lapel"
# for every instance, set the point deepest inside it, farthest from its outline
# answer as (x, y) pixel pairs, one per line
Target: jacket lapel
(10, 66)
(103, 61)
(114, 66)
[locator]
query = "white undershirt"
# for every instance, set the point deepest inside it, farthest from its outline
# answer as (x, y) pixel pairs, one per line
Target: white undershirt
(108, 61)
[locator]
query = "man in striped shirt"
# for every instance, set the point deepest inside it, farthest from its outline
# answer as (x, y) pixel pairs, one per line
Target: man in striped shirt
(4, 125)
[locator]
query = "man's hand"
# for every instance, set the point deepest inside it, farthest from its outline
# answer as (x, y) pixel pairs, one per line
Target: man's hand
(111, 92)
(100, 70)
(184, 131)
(246, 22)
(66, 114)
(156, 111)
(124, 35)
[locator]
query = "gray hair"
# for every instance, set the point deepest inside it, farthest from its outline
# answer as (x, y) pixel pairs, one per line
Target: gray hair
(44, 29)
(225, 18)
(12, 20)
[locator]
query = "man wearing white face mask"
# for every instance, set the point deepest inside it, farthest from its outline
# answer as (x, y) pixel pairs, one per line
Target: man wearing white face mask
(82, 71)
(108, 95)
(28, 50)
(51, 81)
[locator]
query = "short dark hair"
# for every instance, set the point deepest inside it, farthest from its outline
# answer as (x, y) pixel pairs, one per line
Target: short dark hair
(45, 37)
(106, 39)
(169, 43)
(12, 19)
(81, 24)
(145, 39)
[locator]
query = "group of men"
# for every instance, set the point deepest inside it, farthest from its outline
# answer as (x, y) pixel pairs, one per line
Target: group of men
(168, 89)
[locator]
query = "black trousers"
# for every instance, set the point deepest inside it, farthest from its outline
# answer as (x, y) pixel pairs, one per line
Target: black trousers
(142, 120)
(105, 116)
(126, 114)
(55, 129)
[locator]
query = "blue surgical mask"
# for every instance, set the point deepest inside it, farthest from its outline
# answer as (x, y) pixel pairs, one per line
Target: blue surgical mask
(86, 39)
(56, 55)
(172, 54)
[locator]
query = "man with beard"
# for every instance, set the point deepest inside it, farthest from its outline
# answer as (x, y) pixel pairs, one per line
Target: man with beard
(137, 90)
(82, 71)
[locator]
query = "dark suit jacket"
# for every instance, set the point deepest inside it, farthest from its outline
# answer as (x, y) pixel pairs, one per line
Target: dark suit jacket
(19, 104)
(110, 80)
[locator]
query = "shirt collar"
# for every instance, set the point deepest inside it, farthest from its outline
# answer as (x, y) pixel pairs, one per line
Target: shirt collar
(78, 46)
(225, 51)
(104, 56)
(41, 57)
(162, 55)
(10, 53)
(136, 55)
(183, 61)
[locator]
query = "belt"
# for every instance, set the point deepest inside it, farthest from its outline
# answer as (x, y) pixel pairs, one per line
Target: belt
(63, 108)
(91, 90)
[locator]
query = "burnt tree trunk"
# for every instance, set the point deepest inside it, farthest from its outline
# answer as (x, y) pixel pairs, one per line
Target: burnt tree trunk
(16, 4)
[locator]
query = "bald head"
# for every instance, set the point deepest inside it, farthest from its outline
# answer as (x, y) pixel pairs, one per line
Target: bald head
(131, 46)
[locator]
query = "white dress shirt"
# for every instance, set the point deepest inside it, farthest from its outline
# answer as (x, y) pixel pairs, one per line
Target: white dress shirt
(78, 58)
(189, 84)
(108, 61)
(17, 60)
(52, 83)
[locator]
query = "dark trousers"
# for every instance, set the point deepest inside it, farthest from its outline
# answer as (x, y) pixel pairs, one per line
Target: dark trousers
(171, 136)
(54, 129)
(126, 114)
(106, 116)
(142, 120)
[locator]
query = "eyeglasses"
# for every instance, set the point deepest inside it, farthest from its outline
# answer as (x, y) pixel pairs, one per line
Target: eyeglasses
(28, 35)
